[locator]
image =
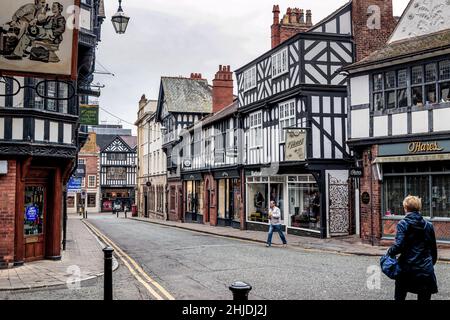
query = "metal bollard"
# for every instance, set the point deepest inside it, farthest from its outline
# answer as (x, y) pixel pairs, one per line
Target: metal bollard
(108, 284)
(240, 291)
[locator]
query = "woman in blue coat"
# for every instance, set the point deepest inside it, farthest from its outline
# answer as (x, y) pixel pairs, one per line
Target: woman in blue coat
(415, 242)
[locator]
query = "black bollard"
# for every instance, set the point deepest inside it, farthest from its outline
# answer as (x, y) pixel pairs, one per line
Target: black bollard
(108, 284)
(240, 291)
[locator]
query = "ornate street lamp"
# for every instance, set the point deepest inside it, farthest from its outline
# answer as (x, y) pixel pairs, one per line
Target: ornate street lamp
(120, 20)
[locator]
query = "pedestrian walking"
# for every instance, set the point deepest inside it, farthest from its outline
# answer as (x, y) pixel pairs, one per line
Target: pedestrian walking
(275, 224)
(415, 242)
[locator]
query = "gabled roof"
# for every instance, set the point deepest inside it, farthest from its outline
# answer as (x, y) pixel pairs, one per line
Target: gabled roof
(407, 48)
(185, 95)
(330, 16)
(104, 141)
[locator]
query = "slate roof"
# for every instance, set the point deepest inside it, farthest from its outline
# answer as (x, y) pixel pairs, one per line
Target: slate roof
(185, 95)
(406, 48)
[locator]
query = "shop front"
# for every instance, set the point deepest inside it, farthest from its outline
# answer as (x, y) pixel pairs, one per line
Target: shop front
(297, 196)
(116, 199)
(420, 168)
(228, 198)
(193, 197)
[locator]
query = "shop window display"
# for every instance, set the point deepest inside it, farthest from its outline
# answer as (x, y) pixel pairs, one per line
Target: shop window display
(431, 182)
(257, 202)
(34, 211)
(304, 203)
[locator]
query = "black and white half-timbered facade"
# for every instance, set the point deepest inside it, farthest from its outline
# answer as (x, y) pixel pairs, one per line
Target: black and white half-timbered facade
(39, 142)
(181, 103)
(293, 102)
(118, 171)
(399, 125)
(211, 169)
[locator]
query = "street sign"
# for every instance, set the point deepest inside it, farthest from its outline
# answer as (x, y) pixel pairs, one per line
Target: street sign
(74, 185)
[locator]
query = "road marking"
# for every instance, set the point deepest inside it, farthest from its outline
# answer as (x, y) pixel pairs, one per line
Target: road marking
(137, 271)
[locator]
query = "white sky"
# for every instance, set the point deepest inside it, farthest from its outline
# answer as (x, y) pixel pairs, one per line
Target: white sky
(178, 37)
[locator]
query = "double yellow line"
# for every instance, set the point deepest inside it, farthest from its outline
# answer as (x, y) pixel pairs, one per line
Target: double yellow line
(157, 291)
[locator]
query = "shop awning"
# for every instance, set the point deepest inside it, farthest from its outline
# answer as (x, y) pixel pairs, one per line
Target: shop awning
(413, 158)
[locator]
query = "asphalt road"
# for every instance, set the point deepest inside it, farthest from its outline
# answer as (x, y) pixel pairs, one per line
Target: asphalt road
(201, 267)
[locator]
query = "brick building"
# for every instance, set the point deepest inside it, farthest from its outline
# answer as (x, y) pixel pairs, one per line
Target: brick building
(181, 103)
(89, 157)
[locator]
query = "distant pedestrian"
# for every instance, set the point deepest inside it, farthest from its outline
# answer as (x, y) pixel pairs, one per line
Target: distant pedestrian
(415, 242)
(275, 224)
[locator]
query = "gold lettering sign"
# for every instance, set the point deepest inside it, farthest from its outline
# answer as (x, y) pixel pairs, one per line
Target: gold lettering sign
(295, 145)
(424, 147)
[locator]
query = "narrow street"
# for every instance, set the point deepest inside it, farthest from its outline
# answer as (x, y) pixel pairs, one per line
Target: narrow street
(196, 266)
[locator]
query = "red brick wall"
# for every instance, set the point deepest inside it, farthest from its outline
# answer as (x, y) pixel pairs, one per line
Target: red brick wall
(92, 167)
(7, 214)
(371, 39)
(293, 22)
(370, 213)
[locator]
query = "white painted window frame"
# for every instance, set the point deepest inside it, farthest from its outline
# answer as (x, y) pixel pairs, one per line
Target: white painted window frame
(250, 81)
(288, 120)
(255, 136)
(280, 63)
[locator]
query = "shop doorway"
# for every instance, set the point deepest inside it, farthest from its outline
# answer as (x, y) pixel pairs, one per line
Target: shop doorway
(35, 222)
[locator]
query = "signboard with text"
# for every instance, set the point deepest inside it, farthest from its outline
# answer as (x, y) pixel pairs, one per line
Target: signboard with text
(89, 115)
(74, 185)
(295, 149)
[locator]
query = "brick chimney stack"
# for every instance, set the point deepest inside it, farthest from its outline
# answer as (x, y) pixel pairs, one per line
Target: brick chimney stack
(276, 26)
(373, 23)
(293, 22)
(196, 76)
(222, 89)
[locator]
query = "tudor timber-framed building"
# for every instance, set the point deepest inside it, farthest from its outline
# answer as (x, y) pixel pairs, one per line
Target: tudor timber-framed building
(212, 161)
(39, 142)
(399, 125)
(298, 87)
(181, 103)
(118, 171)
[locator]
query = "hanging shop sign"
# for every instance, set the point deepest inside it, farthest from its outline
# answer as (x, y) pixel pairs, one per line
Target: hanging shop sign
(39, 38)
(295, 148)
(89, 115)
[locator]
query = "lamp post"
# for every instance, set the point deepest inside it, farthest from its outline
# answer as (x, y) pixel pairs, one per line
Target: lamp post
(120, 20)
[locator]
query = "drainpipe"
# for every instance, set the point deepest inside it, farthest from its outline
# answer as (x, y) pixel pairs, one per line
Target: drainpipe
(371, 199)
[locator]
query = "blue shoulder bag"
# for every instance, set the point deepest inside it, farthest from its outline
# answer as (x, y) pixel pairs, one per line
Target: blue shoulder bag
(390, 267)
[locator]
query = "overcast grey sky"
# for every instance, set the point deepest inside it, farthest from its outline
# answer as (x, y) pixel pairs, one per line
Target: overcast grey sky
(178, 37)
